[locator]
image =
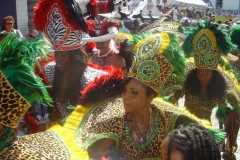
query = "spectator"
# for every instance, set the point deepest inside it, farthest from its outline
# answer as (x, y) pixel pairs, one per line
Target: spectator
(9, 22)
(33, 33)
(137, 23)
(175, 14)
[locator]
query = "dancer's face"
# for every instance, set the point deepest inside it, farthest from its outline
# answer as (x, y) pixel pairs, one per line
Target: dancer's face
(63, 60)
(135, 97)
(204, 77)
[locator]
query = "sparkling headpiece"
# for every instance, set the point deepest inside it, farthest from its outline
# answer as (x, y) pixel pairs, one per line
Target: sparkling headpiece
(157, 57)
(19, 85)
(206, 44)
(62, 22)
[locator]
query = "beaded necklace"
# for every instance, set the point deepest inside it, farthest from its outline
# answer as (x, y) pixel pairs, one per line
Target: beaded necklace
(141, 135)
(151, 137)
(101, 58)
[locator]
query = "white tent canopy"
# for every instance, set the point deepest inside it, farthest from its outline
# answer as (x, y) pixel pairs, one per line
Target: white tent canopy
(192, 3)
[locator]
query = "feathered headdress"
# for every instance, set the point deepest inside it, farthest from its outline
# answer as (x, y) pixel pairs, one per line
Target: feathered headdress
(62, 22)
(105, 30)
(206, 44)
(235, 37)
(19, 85)
(158, 57)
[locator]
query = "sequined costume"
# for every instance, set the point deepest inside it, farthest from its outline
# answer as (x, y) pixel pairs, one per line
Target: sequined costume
(90, 73)
(193, 103)
(69, 141)
(112, 113)
(206, 44)
(153, 67)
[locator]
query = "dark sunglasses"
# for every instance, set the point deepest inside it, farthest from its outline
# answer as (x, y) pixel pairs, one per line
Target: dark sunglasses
(9, 23)
(31, 36)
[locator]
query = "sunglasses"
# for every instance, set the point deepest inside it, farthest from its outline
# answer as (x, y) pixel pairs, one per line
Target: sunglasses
(9, 23)
(31, 36)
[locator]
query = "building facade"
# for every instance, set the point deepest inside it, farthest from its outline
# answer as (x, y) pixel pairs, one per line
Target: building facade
(226, 4)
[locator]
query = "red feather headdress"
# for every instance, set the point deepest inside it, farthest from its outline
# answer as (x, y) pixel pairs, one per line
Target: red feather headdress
(62, 22)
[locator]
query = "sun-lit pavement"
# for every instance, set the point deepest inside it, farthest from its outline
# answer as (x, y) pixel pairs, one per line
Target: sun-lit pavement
(215, 124)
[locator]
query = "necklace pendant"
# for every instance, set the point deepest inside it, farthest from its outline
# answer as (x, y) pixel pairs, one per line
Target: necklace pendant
(141, 139)
(100, 61)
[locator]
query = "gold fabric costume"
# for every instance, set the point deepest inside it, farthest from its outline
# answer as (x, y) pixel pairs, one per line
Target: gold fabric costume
(106, 120)
(193, 103)
(231, 94)
(57, 143)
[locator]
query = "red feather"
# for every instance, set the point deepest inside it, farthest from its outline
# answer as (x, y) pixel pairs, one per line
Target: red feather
(42, 9)
(31, 124)
(113, 74)
(90, 46)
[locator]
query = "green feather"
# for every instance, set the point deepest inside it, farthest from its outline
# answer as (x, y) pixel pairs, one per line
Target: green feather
(218, 135)
(136, 38)
(224, 43)
(229, 68)
(175, 55)
(235, 36)
(17, 64)
(221, 114)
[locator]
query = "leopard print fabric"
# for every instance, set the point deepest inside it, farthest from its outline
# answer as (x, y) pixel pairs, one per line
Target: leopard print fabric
(233, 137)
(193, 103)
(92, 124)
(106, 120)
(231, 94)
(234, 61)
(13, 105)
(162, 72)
(43, 145)
(172, 83)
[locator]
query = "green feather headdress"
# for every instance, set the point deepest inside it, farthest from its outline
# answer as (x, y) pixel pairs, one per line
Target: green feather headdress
(172, 51)
(158, 56)
(17, 61)
(17, 71)
(235, 36)
(207, 43)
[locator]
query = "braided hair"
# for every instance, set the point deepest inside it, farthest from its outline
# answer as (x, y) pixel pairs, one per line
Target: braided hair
(194, 142)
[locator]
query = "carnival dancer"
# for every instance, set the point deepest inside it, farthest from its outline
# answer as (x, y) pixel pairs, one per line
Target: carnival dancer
(107, 53)
(19, 85)
(59, 142)
(64, 26)
(210, 81)
(65, 36)
(133, 126)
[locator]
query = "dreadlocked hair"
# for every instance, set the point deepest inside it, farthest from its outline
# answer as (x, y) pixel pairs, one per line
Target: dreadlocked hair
(194, 142)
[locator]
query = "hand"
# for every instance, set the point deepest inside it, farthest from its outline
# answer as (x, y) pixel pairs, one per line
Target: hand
(43, 120)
